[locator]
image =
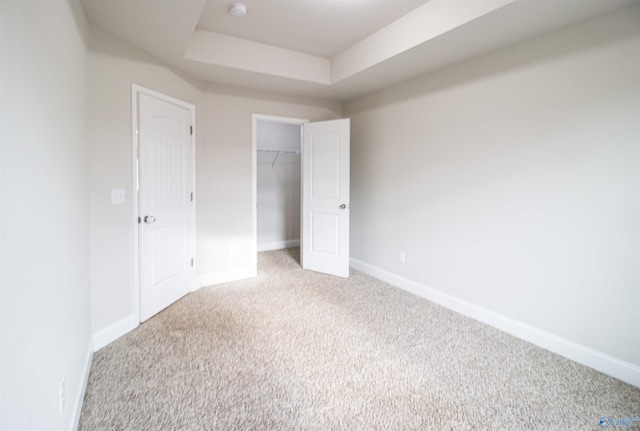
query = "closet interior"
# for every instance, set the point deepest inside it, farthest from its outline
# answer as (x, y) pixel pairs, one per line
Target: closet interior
(278, 147)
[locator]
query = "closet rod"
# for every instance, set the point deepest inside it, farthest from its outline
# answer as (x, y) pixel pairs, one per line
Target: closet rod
(278, 152)
(261, 150)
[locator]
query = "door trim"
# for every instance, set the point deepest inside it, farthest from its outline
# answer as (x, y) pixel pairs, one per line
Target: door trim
(254, 175)
(135, 91)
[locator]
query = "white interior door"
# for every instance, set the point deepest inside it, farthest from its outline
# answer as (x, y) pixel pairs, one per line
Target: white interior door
(165, 203)
(325, 197)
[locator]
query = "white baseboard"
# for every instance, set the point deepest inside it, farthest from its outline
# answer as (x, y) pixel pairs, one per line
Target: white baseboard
(121, 327)
(225, 277)
(584, 355)
(278, 245)
(113, 332)
(77, 405)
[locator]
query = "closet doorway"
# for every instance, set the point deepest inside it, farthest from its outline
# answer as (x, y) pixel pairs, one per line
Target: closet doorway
(277, 145)
(301, 191)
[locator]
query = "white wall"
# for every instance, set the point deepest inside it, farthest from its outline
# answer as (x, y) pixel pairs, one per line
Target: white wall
(512, 182)
(46, 327)
(278, 185)
(224, 177)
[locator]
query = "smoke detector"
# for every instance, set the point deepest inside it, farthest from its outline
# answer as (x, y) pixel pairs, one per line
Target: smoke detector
(238, 9)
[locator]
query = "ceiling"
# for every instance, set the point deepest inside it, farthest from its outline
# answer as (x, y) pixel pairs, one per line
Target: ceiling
(337, 49)
(323, 28)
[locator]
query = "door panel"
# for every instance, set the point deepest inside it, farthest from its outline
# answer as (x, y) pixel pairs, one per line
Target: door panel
(168, 179)
(167, 249)
(325, 236)
(166, 231)
(325, 166)
(325, 197)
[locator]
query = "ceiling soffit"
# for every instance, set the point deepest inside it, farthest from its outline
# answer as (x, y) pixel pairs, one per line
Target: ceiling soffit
(429, 36)
(427, 22)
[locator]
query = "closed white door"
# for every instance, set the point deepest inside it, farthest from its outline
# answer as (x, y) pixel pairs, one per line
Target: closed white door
(165, 205)
(326, 197)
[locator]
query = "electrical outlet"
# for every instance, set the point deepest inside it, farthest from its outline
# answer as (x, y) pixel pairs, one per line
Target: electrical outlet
(62, 396)
(401, 257)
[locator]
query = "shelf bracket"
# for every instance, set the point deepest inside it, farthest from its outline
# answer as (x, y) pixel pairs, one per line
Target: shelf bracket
(275, 158)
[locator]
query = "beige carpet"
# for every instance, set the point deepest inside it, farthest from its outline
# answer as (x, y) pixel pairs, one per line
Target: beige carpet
(296, 350)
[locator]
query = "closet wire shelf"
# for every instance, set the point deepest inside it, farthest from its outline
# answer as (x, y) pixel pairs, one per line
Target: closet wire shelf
(278, 152)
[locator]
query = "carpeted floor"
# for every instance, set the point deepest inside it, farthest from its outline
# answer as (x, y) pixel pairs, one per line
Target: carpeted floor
(297, 350)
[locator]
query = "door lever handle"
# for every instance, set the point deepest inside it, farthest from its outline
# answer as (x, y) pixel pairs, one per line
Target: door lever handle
(149, 219)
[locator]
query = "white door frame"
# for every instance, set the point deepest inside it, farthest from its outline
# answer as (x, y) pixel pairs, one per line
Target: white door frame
(135, 91)
(254, 175)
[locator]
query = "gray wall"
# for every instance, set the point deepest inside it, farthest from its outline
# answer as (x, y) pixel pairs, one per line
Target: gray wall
(278, 185)
(113, 67)
(512, 182)
(45, 315)
(223, 172)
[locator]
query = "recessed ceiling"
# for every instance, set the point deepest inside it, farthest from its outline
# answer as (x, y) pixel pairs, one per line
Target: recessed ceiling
(323, 28)
(337, 49)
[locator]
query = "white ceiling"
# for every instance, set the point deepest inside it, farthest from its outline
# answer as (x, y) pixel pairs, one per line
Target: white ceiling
(323, 28)
(336, 49)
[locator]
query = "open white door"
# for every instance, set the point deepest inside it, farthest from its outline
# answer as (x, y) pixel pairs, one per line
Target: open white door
(165, 206)
(325, 197)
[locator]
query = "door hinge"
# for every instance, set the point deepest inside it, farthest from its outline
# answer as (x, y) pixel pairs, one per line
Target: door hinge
(191, 130)
(192, 262)
(139, 220)
(191, 196)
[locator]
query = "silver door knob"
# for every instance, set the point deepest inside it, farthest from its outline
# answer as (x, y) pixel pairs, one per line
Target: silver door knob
(149, 219)
(343, 206)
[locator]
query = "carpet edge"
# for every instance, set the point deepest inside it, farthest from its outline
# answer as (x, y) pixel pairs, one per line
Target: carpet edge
(602, 362)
